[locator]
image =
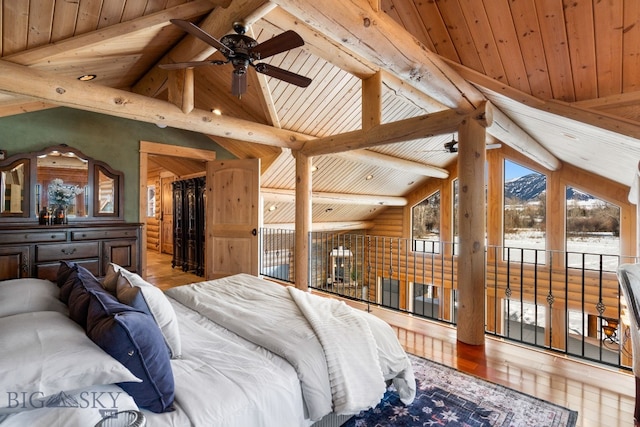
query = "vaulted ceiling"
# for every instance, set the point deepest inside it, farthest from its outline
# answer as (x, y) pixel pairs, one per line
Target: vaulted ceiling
(391, 80)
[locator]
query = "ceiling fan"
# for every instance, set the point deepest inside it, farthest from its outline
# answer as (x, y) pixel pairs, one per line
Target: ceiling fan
(451, 147)
(242, 51)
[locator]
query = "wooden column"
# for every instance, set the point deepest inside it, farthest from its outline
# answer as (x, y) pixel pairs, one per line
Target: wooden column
(303, 220)
(471, 225)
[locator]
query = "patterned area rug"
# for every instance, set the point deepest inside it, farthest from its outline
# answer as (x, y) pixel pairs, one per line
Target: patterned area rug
(451, 398)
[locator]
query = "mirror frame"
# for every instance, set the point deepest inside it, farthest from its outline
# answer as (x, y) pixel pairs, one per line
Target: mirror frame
(29, 213)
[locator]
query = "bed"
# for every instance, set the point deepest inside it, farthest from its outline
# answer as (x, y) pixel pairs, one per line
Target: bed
(236, 351)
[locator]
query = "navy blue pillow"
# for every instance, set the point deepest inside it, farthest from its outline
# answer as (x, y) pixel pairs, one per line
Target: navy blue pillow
(134, 339)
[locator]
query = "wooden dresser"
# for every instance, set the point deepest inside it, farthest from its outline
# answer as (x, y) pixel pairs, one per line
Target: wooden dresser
(36, 251)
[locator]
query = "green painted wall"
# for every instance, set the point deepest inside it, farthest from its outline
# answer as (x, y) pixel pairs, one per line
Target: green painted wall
(113, 140)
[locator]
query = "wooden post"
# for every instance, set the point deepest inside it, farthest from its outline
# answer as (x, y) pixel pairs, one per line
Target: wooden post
(303, 220)
(471, 225)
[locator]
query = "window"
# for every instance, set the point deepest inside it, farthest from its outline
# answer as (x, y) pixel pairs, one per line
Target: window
(593, 231)
(524, 213)
(151, 200)
(425, 220)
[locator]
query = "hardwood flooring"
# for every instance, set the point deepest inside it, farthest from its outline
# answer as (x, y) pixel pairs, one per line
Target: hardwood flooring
(603, 396)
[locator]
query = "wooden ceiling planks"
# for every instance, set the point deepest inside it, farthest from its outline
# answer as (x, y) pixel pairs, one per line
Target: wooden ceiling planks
(554, 39)
(40, 22)
(65, 20)
(531, 48)
(466, 49)
(608, 30)
(502, 27)
(631, 47)
(15, 35)
(579, 17)
(482, 33)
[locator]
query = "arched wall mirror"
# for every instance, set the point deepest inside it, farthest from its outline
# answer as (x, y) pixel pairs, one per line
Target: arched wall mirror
(59, 176)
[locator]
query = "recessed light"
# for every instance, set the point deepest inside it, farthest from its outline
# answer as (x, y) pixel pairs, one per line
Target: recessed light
(272, 208)
(87, 77)
(369, 177)
(216, 111)
(314, 168)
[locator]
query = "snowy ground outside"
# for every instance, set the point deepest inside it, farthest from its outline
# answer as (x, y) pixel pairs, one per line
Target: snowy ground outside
(585, 250)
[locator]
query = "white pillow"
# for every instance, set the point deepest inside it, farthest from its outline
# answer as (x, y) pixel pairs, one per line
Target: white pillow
(128, 288)
(28, 295)
(45, 353)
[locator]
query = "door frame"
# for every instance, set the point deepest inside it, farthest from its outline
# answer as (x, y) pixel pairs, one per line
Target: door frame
(149, 148)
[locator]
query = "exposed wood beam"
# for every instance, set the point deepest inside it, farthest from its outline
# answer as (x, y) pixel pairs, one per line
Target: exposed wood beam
(69, 92)
(288, 196)
(319, 44)
(337, 54)
(372, 101)
(439, 123)
(326, 226)
(66, 47)
(420, 99)
(612, 101)
(376, 37)
(218, 23)
(303, 220)
(471, 226)
(181, 89)
(503, 128)
(574, 111)
(386, 161)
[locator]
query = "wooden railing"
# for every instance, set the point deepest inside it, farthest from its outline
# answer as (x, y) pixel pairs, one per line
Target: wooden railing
(562, 302)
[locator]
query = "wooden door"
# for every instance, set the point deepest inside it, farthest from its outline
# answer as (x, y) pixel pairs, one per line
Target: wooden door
(166, 216)
(233, 217)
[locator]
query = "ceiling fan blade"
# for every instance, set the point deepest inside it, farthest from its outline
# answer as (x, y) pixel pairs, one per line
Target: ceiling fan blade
(284, 75)
(196, 31)
(181, 65)
(238, 83)
(280, 43)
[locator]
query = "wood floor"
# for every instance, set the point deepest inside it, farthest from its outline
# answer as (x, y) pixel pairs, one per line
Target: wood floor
(603, 397)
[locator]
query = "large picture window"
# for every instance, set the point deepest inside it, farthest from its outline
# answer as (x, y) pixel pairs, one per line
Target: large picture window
(425, 220)
(593, 231)
(524, 213)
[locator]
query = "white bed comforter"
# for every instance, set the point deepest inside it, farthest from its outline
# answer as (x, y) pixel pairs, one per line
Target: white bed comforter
(342, 356)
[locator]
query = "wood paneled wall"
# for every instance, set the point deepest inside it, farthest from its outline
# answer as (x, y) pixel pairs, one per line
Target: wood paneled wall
(153, 223)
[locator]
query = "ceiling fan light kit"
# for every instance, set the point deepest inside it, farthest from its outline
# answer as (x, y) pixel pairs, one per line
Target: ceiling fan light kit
(241, 51)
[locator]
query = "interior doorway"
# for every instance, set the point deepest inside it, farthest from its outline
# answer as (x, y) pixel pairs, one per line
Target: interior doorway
(177, 158)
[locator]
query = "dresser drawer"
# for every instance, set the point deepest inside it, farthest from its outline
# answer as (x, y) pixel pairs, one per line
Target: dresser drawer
(102, 234)
(50, 270)
(67, 251)
(31, 237)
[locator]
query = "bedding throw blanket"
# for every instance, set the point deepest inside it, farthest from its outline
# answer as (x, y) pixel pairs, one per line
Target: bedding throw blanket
(342, 359)
(355, 375)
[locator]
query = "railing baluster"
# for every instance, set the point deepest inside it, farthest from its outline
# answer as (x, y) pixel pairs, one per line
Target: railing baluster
(377, 263)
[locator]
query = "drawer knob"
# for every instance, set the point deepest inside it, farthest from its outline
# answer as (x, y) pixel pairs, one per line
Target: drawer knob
(68, 252)
(53, 236)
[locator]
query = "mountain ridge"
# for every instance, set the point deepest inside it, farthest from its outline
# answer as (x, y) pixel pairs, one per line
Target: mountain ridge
(528, 188)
